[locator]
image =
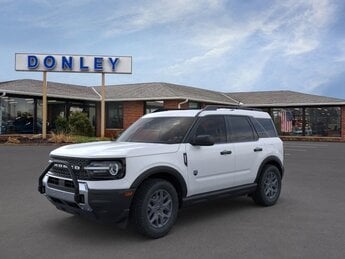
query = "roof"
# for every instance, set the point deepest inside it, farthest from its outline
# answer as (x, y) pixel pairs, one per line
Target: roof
(163, 91)
(283, 99)
(58, 90)
(166, 91)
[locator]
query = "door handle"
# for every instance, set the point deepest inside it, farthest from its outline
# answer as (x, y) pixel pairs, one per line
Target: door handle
(257, 149)
(226, 152)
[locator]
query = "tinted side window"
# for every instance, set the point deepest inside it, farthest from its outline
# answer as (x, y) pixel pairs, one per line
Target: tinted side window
(268, 125)
(213, 126)
(240, 129)
(259, 128)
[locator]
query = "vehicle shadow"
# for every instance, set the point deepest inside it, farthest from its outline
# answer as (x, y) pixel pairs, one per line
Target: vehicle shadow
(212, 210)
(76, 227)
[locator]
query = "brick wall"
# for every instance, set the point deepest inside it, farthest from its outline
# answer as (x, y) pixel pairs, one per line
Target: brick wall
(112, 133)
(173, 104)
(132, 111)
(342, 123)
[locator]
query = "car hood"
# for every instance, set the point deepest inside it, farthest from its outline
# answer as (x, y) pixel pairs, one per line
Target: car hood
(112, 149)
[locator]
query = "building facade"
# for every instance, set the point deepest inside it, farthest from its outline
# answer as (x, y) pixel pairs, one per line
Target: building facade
(296, 115)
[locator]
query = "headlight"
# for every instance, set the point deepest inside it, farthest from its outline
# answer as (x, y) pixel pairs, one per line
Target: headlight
(106, 169)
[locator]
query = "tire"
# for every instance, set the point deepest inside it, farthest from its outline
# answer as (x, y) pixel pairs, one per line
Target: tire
(155, 208)
(269, 186)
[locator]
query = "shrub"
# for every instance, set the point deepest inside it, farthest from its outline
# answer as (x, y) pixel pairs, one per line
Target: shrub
(61, 125)
(79, 124)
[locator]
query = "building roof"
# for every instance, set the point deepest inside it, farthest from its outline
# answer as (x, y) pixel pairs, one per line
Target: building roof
(283, 99)
(58, 90)
(166, 91)
(163, 91)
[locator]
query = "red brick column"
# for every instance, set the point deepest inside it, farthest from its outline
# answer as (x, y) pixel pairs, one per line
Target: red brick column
(342, 123)
(132, 111)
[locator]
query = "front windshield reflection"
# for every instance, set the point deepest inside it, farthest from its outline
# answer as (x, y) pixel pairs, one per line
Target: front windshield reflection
(167, 130)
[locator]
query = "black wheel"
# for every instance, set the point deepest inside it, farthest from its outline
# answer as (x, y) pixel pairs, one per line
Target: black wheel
(155, 207)
(269, 186)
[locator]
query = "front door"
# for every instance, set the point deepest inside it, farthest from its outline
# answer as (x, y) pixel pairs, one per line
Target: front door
(210, 167)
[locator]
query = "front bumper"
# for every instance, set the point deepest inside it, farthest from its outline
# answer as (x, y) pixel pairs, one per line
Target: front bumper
(73, 196)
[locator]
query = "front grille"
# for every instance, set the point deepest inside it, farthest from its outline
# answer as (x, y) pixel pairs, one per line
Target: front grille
(61, 184)
(77, 165)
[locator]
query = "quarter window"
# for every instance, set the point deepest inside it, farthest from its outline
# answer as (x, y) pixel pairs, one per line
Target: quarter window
(264, 127)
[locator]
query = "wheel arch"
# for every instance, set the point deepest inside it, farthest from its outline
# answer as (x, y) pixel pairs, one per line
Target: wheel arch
(271, 160)
(167, 173)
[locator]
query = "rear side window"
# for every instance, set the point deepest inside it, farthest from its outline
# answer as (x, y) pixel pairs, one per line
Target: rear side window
(264, 127)
(240, 129)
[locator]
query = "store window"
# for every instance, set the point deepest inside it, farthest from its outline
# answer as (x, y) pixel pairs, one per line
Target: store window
(151, 106)
(114, 115)
(288, 121)
(318, 121)
(63, 108)
(323, 121)
(88, 108)
(17, 115)
(194, 105)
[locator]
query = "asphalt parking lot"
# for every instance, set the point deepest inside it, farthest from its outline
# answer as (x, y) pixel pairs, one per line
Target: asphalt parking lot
(307, 222)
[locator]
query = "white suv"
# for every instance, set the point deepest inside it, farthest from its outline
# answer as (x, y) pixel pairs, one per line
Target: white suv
(167, 160)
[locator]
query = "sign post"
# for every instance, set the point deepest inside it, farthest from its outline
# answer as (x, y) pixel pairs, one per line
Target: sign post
(75, 64)
(103, 106)
(44, 106)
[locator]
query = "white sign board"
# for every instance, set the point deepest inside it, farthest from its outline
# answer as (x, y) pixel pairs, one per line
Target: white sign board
(73, 63)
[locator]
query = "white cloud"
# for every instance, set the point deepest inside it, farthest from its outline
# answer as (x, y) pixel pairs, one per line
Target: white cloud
(244, 76)
(301, 46)
(151, 13)
(289, 28)
(299, 29)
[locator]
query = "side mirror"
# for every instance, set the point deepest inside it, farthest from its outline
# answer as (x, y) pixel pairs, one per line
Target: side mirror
(202, 140)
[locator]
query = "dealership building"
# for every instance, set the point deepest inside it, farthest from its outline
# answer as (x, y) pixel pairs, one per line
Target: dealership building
(296, 115)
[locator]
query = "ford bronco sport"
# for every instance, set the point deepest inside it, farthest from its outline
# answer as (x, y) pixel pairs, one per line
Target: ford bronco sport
(167, 160)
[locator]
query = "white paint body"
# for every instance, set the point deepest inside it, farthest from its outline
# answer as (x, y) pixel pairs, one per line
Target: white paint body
(215, 171)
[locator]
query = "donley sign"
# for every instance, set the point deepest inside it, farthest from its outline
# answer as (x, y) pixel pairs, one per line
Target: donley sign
(73, 63)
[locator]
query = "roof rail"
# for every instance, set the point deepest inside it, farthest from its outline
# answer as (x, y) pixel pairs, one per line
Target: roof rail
(163, 110)
(211, 107)
(173, 109)
(233, 107)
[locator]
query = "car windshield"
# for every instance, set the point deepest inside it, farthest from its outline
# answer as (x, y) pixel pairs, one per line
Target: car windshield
(166, 130)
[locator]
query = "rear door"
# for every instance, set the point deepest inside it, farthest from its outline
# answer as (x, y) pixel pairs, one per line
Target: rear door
(248, 149)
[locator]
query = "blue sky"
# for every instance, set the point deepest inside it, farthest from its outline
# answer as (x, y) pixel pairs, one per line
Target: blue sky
(228, 46)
